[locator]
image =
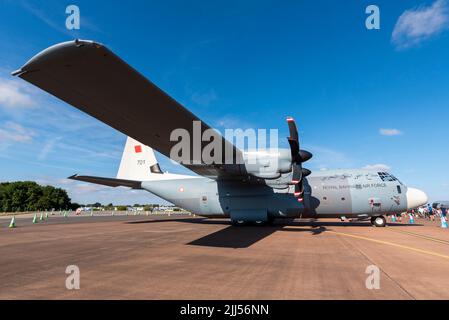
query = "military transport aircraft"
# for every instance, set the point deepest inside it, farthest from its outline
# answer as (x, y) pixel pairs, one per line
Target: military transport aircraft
(92, 78)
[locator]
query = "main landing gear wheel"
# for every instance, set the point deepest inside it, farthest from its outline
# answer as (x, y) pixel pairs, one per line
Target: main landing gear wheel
(379, 221)
(250, 223)
(238, 222)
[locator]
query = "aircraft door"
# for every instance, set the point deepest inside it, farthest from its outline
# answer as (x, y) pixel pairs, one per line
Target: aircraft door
(398, 200)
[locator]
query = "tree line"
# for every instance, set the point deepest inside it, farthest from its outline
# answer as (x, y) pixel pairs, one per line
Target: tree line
(30, 196)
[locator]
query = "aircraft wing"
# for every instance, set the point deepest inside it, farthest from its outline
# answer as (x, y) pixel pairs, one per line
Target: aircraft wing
(92, 78)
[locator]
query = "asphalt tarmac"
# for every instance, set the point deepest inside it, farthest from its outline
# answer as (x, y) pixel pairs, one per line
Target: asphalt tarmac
(186, 257)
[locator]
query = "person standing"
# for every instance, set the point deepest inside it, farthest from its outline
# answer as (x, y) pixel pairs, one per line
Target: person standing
(430, 211)
(443, 212)
(421, 212)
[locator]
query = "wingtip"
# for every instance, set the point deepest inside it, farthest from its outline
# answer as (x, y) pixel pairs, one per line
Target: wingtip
(16, 72)
(55, 50)
(73, 176)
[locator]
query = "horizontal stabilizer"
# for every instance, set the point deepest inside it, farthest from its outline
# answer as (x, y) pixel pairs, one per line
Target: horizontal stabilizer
(110, 182)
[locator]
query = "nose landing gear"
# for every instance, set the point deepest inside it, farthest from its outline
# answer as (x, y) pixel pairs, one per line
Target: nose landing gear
(379, 221)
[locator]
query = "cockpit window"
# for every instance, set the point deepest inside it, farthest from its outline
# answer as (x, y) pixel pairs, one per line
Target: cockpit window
(385, 176)
(397, 180)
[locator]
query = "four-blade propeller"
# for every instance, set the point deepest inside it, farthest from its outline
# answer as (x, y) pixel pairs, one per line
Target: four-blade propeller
(298, 157)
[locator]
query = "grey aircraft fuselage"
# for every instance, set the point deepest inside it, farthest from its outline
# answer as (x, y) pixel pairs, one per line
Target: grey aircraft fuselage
(355, 193)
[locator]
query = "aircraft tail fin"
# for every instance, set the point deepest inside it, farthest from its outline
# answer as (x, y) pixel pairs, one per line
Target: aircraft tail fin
(138, 162)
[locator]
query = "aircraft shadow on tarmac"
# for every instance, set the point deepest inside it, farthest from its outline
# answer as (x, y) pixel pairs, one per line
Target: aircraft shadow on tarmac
(244, 237)
(235, 237)
(232, 236)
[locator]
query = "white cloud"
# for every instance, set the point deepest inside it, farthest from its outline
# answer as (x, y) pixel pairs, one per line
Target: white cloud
(14, 132)
(204, 98)
(323, 152)
(421, 23)
(377, 166)
(14, 95)
(48, 148)
(390, 132)
(325, 158)
(231, 122)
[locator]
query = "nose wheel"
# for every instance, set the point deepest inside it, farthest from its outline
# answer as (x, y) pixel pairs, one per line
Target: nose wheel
(379, 221)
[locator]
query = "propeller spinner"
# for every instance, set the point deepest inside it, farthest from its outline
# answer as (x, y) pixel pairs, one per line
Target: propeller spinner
(298, 157)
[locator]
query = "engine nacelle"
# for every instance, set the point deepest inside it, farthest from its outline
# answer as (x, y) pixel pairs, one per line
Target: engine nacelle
(267, 164)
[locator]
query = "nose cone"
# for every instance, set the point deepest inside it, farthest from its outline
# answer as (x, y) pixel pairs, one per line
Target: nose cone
(415, 198)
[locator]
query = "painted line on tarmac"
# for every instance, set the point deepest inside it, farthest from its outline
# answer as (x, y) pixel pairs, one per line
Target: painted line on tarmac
(392, 244)
(168, 231)
(421, 236)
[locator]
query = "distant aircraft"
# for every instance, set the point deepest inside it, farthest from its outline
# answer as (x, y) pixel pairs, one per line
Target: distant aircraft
(440, 204)
(93, 79)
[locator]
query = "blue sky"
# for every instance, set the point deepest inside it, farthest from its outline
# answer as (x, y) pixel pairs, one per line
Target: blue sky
(360, 97)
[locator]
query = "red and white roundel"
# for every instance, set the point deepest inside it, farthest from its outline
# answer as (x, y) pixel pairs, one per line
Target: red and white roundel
(181, 189)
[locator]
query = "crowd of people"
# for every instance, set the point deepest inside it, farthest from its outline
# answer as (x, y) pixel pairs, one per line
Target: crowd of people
(425, 212)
